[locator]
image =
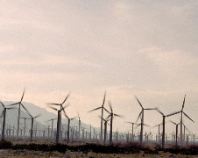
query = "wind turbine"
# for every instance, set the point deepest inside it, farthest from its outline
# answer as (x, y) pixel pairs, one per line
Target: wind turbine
(163, 124)
(52, 125)
(19, 111)
(4, 112)
(61, 108)
(111, 117)
(68, 125)
(185, 128)
(105, 120)
(132, 129)
(144, 125)
(58, 131)
(141, 114)
(102, 115)
(176, 132)
(24, 126)
(32, 118)
(181, 119)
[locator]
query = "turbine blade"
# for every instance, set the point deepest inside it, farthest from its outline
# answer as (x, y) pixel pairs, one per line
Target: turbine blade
(2, 104)
(110, 106)
(53, 108)
(95, 109)
(63, 109)
(138, 117)
(160, 112)
(108, 117)
(117, 115)
(66, 98)
(22, 95)
(10, 108)
(65, 113)
(139, 102)
(101, 117)
(39, 115)
(14, 104)
(104, 99)
(174, 113)
(25, 109)
(188, 117)
(183, 102)
(57, 104)
(106, 110)
(150, 109)
(137, 125)
(173, 123)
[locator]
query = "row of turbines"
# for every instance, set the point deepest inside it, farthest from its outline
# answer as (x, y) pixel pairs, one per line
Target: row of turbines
(103, 135)
(160, 137)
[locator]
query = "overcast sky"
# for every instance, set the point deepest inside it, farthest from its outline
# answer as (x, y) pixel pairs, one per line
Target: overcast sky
(146, 48)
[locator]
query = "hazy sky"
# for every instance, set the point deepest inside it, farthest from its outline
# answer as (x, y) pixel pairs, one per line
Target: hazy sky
(146, 48)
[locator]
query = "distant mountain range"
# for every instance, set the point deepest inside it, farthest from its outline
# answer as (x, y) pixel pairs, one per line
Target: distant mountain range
(41, 122)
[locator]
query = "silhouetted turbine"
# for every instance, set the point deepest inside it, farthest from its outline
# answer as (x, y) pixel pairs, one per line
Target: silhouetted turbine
(68, 125)
(181, 119)
(24, 124)
(62, 108)
(4, 119)
(105, 129)
(176, 132)
(102, 114)
(141, 114)
(19, 111)
(111, 117)
(52, 125)
(132, 129)
(163, 124)
(32, 118)
(58, 131)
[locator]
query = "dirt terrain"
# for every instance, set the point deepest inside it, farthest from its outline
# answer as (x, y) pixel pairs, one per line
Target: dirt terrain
(38, 154)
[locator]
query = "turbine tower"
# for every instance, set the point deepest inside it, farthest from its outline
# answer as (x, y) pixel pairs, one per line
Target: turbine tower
(181, 120)
(4, 112)
(111, 117)
(132, 129)
(141, 114)
(176, 132)
(32, 118)
(163, 124)
(102, 115)
(61, 108)
(19, 104)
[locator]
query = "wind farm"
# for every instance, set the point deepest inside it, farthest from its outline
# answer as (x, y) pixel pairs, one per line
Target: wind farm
(98, 79)
(81, 134)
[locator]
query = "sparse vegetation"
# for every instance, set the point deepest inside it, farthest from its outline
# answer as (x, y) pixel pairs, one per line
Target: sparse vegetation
(69, 154)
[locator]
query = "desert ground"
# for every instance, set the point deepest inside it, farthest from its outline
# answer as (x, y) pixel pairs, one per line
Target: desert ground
(38, 154)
